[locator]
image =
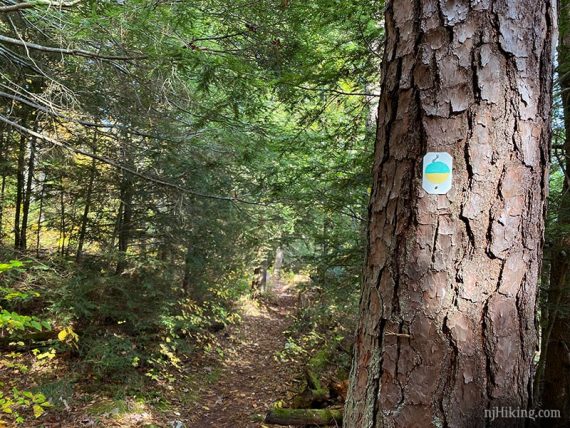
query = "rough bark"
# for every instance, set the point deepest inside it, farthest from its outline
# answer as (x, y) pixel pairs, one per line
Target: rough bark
(556, 333)
(447, 325)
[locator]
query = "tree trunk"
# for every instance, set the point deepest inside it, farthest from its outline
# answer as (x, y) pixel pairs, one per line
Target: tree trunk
(324, 263)
(447, 325)
(20, 183)
(40, 216)
(278, 264)
(28, 194)
(124, 232)
(263, 275)
(555, 358)
(3, 167)
(188, 259)
(2, 198)
(62, 223)
(85, 216)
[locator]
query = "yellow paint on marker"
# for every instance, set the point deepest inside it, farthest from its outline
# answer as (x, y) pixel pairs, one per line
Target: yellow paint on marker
(437, 177)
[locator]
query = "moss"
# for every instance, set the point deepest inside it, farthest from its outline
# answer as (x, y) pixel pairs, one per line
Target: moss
(306, 416)
(320, 360)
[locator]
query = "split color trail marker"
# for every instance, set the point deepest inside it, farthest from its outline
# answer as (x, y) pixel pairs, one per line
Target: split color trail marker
(437, 173)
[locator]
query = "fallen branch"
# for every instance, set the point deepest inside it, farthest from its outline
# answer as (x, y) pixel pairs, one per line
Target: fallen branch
(301, 417)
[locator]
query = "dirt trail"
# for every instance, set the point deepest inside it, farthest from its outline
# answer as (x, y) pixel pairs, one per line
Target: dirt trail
(251, 378)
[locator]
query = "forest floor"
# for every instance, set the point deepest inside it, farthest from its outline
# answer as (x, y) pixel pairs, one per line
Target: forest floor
(252, 377)
(232, 385)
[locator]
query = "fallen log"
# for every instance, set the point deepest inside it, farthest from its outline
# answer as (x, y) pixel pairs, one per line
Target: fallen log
(27, 340)
(301, 417)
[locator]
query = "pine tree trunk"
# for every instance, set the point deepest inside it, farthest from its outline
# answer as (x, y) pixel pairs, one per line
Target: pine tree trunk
(447, 325)
(556, 333)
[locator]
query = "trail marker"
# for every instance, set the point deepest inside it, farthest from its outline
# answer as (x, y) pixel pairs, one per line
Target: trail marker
(437, 173)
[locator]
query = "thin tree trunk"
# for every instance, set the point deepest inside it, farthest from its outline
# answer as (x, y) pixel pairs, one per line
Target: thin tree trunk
(447, 325)
(124, 231)
(126, 214)
(263, 278)
(555, 358)
(186, 281)
(323, 268)
(278, 263)
(20, 183)
(62, 225)
(40, 215)
(85, 216)
(3, 164)
(28, 194)
(117, 224)
(125, 223)
(2, 199)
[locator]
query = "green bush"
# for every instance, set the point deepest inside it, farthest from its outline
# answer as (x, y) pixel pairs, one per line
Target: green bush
(110, 356)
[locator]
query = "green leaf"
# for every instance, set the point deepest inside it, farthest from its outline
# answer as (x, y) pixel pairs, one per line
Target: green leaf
(36, 325)
(38, 410)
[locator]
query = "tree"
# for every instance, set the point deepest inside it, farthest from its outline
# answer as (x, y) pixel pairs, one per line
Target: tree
(553, 384)
(447, 326)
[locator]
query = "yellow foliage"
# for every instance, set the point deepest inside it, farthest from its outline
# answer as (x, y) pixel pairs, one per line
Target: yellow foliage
(38, 410)
(68, 336)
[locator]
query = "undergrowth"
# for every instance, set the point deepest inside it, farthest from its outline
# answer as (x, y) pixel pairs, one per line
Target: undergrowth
(69, 330)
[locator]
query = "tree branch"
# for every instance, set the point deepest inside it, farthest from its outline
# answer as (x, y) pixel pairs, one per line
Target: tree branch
(75, 52)
(336, 91)
(30, 5)
(89, 124)
(124, 168)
